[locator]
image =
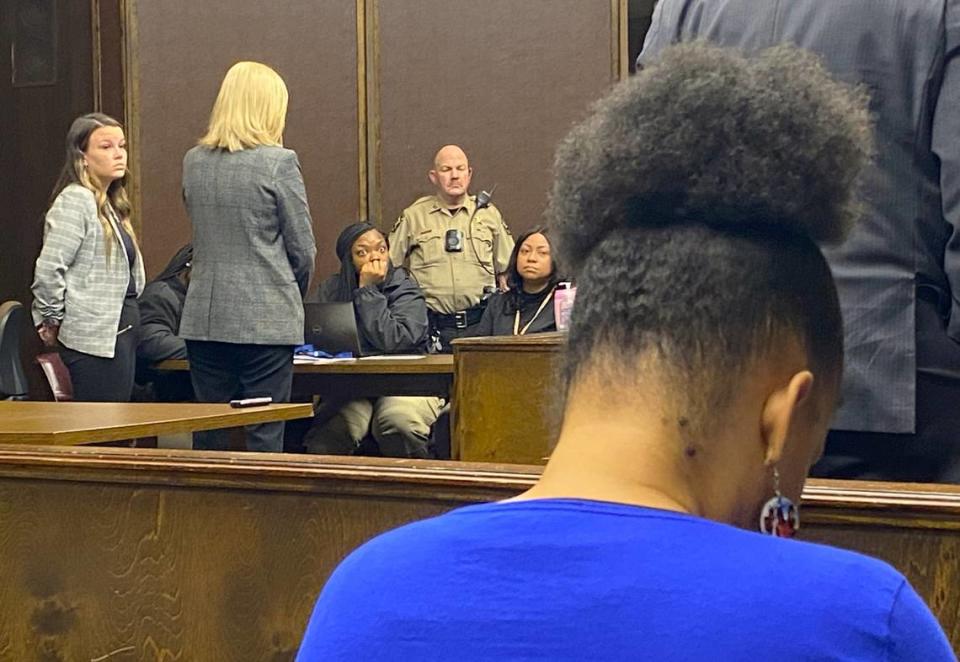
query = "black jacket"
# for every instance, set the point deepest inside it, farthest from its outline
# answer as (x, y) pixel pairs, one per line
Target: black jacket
(498, 318)
(391, 317)
(160, 307)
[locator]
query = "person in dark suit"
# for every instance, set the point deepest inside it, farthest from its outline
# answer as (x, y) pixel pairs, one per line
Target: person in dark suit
(899, 272)
(253, 251)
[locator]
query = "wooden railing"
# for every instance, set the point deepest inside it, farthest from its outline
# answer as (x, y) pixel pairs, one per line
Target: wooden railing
(153, 554)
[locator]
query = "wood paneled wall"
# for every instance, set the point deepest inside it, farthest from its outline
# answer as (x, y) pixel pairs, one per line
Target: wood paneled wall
(376, 87)
(33, 123)
(505, 79)
(181, 50)
(166, 555)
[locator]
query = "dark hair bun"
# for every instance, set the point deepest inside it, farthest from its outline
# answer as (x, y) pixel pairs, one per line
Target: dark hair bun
(707, 135)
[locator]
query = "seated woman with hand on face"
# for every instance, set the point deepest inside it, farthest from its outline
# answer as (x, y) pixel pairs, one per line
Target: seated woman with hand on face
(527, 305)
(392, 319)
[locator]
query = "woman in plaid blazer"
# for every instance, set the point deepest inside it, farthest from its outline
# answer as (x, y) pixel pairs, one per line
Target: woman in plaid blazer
(90, 271)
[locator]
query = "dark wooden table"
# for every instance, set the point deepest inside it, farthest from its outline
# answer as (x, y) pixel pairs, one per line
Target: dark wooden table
(71, 423)
(369, 378)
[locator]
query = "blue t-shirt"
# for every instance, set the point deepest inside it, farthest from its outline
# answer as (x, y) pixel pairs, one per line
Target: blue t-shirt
(566, 579)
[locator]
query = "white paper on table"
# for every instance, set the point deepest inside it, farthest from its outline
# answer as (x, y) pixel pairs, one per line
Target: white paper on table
(393, 357)
(311, 360)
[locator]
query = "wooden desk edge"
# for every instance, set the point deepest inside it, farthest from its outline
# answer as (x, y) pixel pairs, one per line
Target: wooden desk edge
(439, 364)
(231, 418)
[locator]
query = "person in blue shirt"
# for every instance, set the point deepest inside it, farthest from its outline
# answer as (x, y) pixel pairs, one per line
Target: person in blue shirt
(702, 368)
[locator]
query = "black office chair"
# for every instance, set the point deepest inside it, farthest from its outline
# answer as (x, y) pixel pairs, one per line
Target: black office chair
(13, 379)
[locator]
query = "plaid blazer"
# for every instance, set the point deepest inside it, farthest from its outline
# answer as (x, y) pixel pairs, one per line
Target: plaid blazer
(253, 246)
(75, 282)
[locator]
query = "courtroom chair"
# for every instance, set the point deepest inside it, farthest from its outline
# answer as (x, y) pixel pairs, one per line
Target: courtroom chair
(58, 377)
(13, 379)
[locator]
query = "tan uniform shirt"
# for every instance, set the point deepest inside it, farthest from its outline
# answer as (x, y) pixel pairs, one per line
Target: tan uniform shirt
(451, 281)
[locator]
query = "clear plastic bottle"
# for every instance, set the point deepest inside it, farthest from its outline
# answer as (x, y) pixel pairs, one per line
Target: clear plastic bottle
(563, 304)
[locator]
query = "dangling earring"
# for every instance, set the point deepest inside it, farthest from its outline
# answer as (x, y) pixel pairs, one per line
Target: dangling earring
(779, 516)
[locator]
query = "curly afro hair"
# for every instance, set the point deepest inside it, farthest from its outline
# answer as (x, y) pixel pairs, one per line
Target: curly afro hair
(705, 134)
(689, 207)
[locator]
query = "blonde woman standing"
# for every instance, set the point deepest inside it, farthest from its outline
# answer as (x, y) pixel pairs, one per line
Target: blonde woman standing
(253, 251)
(90, 271)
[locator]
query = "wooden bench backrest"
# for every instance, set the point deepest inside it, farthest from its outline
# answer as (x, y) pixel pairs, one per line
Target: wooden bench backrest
(206, 556)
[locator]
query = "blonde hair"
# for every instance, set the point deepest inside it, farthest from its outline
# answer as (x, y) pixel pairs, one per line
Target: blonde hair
(250, 110)
(114, 198)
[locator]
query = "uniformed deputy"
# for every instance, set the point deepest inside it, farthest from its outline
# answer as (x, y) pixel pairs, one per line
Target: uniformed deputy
(452, 248)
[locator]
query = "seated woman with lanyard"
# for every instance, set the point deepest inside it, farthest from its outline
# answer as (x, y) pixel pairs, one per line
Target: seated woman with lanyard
(391, 319)
(527, 305)
(702, 370)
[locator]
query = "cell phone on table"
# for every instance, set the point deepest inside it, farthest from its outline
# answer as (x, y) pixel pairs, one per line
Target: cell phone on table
(251, 402)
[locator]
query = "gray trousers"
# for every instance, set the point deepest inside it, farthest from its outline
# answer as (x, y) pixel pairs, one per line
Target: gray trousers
(400, 426)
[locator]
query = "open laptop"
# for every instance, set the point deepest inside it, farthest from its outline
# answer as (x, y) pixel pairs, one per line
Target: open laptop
(331, 327)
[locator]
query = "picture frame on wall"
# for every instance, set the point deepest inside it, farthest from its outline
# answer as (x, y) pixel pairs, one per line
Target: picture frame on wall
(33, 60)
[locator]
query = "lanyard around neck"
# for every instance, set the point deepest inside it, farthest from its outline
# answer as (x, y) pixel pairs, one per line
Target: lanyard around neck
(517, 331)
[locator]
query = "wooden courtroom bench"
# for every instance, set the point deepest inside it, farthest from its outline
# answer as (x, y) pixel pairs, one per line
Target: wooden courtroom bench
(153, 554)
(506, 398)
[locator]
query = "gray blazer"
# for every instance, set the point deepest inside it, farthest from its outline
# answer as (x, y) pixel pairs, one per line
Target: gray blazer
(74, 283)
(906, 53)
(253, 246)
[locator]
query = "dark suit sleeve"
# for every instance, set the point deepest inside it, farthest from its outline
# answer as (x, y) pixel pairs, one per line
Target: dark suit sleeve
(160, 310)
(946, 145)
(659, 35)
(394, 320)
(295, 223)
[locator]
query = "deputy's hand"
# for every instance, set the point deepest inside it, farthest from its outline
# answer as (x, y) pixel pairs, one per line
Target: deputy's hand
(373, 273)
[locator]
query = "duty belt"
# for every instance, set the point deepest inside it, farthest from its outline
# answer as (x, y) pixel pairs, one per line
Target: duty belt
(458, 320)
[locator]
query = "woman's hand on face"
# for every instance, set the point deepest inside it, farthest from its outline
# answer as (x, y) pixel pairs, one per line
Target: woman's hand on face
(373, 273)
(48, 334)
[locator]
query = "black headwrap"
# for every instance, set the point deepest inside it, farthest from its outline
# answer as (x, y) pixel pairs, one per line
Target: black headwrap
(178, 263)
(347, 280)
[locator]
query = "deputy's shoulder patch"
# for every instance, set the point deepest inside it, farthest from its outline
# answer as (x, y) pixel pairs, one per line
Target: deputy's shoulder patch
(496, 212)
